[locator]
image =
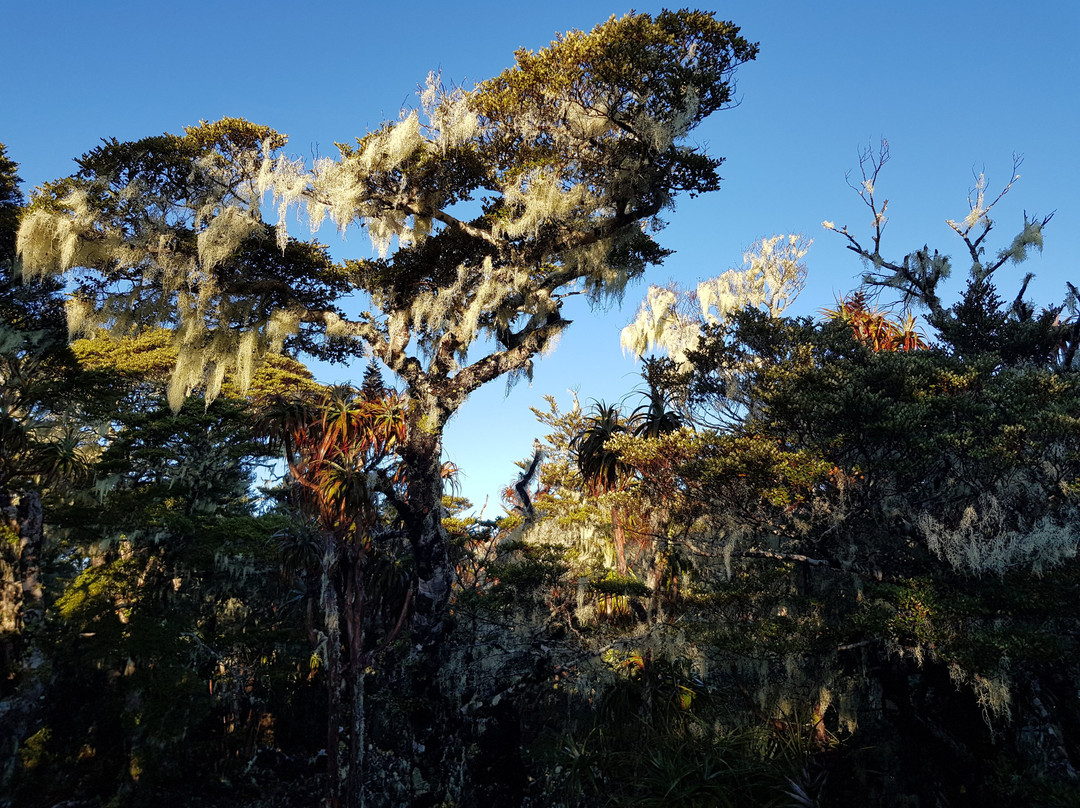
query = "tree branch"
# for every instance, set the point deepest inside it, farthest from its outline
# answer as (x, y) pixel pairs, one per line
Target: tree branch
(499, 362)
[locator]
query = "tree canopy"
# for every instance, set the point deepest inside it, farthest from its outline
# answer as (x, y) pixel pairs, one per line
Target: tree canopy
(487, 208)
(827, 560)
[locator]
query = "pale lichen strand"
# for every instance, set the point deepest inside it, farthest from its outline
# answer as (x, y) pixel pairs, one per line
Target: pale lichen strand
(772, 276)
(54, 241)
(538, 198)
(287, 180)
(586, 122)
(156, 279)
(603, 281)
(575, 190)
(1029, 236)
(984, 541)
(541, 198)
(451, 120)
(81, 317)
(282, 324)
(354, 188)
(206, 355)
(659, 324)
(993, 693)
(662, 134)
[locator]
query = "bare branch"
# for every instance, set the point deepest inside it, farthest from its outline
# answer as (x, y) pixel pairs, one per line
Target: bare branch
(870, 165)
(979, 216)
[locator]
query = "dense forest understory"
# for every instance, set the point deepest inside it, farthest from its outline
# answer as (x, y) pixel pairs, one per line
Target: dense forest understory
(825, 561)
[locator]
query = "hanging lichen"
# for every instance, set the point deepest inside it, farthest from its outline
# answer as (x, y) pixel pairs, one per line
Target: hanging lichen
(772, 276)
(224, 234)
(985, 539)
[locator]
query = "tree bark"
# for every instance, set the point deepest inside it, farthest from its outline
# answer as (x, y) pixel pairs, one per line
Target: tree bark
(21, 615)
(619, 535)
(21, 597)
(354, 622)
(332, 616)
(659, 518)
(435, 726)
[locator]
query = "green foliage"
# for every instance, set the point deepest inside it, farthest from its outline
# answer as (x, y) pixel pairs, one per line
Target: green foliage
(823, 562)
(33, 753)
(173, 221)
(173, 660)
(880, 540)
(600, 467)
(577, 145)
(614, 584)
(35, 369)
(172, 641)
(11, 202)
(1016, 333)
(655, 737)
(636, 70)
(980, 324)
(570, 155)
(520, 569)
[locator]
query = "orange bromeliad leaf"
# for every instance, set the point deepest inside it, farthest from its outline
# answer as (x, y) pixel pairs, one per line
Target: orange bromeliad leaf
(873, 328)
(332, 443)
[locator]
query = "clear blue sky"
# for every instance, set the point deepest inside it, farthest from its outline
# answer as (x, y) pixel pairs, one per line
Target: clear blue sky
(956, 87)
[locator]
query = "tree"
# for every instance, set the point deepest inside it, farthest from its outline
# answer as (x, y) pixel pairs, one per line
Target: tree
(165, 641)
(873, 327)
(11, 202)
(601, 467)
(675, 322)
(980, 319)
(45, 447)
(334, 443)
(881, 518)
(606, 478)
(564, 160)
(910, 504)
(176, 647)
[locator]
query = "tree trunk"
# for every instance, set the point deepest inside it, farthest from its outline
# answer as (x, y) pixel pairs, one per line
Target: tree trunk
(423, 465)
(354, 622)
(11, 590)
(21, 600)
(1040, 739)
(435, 725)
(332, 616)
(659, 518)
(21, 614)
(619, 533)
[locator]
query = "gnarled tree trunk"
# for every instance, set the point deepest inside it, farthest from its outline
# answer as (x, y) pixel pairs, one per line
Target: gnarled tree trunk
(435, 724)
(21, 600)
(22, 610)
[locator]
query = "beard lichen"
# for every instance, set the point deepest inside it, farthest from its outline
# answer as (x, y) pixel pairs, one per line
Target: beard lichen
(224, 234)
(54, 241)
(984, 541)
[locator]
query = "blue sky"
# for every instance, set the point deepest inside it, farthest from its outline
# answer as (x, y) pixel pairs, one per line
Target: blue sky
(955, 87)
